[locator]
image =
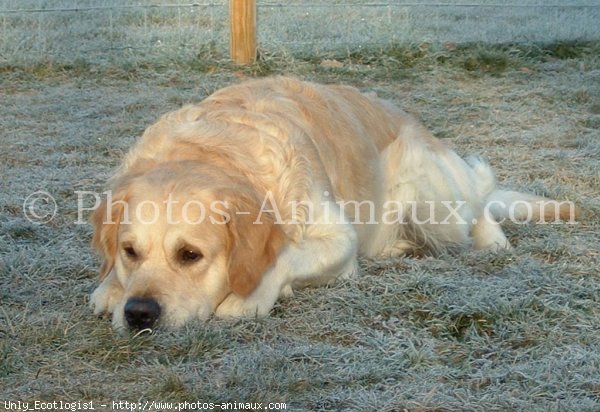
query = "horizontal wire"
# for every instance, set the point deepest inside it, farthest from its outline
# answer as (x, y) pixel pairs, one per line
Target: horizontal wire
(298, 5)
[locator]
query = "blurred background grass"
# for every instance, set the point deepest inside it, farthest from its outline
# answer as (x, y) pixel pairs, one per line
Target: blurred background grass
(134, 31)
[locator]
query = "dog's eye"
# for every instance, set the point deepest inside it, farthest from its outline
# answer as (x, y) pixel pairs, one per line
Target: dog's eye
(130, 252)
(189, 256)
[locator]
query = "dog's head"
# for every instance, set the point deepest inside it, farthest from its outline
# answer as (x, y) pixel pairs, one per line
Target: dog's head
(178, 238)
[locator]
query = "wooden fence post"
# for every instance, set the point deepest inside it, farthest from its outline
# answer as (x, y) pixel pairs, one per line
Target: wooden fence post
(242, 31)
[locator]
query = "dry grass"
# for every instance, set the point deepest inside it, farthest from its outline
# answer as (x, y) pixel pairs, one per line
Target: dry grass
(134, 31)
(510, 331)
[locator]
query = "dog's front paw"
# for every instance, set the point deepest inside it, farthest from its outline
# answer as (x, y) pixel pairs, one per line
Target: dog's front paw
(235, 306)
(106, 297)
(287, 292)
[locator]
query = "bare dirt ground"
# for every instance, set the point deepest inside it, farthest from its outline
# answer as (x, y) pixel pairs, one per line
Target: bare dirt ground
(517, 330)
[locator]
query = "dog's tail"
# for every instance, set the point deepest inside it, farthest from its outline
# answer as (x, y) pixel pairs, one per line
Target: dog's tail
(516, 206)
(524, 207)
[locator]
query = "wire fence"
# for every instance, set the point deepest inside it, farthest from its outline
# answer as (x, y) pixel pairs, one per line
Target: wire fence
(144, 30)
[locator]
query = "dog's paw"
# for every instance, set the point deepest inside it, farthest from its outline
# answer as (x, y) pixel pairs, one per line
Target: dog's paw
(106, 297)
(235, 306)
(287, 292)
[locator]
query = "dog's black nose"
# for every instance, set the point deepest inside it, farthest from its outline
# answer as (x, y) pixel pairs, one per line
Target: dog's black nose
(141, 313)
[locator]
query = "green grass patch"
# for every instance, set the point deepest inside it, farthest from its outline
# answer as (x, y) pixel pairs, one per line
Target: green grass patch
(394, 62)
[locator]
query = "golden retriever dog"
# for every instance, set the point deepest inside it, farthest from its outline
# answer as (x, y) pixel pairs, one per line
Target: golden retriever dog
(224, 206)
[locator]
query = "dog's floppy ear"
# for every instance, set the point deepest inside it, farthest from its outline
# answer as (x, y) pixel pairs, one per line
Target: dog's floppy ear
(106, 220)
(255, 242)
